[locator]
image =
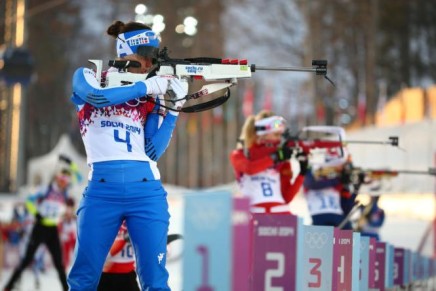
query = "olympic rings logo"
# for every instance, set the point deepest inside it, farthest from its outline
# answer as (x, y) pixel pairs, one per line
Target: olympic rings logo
(315, 239)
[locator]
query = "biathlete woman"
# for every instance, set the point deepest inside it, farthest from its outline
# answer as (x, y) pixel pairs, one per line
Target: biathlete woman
(124, 133)
(263, 168)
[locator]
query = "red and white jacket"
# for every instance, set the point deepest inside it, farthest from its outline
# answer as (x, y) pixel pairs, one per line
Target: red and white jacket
(268, 185)
(121, 257)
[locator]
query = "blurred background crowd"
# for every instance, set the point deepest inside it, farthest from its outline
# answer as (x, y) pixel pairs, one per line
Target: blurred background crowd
(379, 55)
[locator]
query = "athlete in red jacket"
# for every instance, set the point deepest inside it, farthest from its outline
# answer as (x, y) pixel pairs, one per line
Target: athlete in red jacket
(262, 168)
(119, 269)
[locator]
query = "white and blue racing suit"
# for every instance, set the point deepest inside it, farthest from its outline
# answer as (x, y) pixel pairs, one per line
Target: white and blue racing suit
(124, 135)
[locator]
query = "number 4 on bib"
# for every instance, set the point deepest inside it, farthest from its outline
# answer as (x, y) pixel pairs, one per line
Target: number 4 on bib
(127, 140)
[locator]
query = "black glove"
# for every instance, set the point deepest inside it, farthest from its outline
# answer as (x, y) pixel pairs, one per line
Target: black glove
(345, 177)
(361, 178)
(304, 162)
(38, 217)
(282, 154)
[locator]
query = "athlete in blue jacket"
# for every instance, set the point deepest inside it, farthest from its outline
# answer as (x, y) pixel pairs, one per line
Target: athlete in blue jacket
(124, 133)
(372, 219)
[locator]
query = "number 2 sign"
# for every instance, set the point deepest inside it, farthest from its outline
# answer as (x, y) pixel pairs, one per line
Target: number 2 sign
(274, 252)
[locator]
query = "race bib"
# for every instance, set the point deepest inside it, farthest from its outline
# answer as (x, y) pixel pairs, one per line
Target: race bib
(324, 201)
(51, 209)
(263, 187)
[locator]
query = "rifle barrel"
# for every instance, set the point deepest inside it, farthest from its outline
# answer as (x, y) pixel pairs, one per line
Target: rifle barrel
(414, 172)
(367, 142)
(295, 69)
(428, 172)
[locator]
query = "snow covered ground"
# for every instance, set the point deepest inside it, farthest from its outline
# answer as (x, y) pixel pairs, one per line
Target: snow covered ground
(408, 217)
(49, 281)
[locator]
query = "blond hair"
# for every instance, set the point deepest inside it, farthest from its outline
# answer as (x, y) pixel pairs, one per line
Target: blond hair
(248, 133)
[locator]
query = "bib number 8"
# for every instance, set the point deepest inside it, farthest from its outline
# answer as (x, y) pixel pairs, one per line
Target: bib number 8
(266, 189)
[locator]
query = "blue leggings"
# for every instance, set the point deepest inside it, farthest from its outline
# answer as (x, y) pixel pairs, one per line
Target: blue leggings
(327, 219)
(101, 211)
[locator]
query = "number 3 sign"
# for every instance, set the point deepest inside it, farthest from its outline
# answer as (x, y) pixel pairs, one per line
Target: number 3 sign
(317, 257)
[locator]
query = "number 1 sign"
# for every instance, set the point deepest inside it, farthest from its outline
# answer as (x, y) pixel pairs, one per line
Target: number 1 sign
(342, 259)
(207, 242)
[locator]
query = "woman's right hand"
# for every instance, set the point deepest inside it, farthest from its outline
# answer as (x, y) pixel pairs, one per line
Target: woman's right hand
(180, 89)
(157, 85)
(303, 160)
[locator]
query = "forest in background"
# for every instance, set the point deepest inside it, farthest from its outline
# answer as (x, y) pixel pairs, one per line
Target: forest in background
(373, 47)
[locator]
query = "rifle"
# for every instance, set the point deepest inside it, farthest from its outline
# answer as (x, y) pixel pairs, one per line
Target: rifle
(224, 73)
(336, 139)
(305, 145)
(380, 173)
(358, 175)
